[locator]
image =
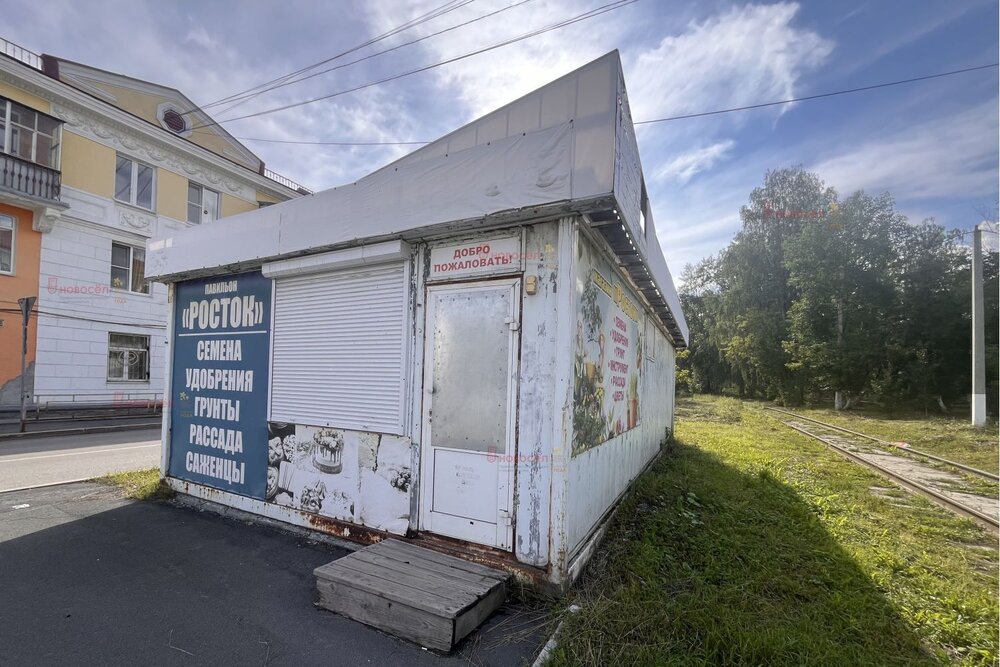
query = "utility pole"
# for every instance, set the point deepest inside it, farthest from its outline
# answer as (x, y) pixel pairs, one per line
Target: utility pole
(26, 303)
(978, 333)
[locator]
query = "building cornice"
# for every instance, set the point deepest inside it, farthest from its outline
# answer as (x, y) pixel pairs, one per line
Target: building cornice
(92, 126)
(108, 124)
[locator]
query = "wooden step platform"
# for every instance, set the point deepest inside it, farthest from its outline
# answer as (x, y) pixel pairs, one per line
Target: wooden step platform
(415, 593)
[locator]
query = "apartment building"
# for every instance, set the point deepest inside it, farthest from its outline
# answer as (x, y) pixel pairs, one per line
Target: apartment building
(92, 165)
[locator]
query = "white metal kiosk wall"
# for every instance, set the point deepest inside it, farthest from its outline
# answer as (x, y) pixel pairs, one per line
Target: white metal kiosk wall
(529, 232)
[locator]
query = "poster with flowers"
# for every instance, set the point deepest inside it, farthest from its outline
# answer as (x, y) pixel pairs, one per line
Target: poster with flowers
(607, 355)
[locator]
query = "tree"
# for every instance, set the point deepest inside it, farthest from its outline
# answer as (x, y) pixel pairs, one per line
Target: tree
(818, 296)
(706, 365)
(839, 264)
(932, 318)
(756, 294)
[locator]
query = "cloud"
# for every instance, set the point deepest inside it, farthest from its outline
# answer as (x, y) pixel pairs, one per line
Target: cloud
(744, 55)
(199, 36)
(485, 82)
(740, 56)
(910, 28)
(953, 155)
(686, 165)
(678, 58)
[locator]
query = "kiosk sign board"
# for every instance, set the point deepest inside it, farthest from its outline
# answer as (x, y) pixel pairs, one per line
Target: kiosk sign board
(476, 258)
(218, 401)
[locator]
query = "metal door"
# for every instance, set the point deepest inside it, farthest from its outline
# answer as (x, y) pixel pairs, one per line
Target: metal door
(469, 408)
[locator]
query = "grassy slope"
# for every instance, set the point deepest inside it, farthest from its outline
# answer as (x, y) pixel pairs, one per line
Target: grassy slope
(749, 544)
(951, 437)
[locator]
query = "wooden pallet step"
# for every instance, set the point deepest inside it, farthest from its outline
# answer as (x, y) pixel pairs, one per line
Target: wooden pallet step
(411, 592)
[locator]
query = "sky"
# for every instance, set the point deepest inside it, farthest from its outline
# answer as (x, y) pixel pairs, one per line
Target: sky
(933, 145)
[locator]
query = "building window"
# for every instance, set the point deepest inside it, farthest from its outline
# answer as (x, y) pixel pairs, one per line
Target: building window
(134, 182)
(7, 227)
(203, 204)
(128, 358)
(128, 268)
(29, 135)
(174, 121)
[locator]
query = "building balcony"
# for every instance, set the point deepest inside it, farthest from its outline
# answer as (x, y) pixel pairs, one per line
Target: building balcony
(28, 179)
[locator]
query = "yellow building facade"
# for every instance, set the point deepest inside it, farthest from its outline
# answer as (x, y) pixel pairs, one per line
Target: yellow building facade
(94, 165)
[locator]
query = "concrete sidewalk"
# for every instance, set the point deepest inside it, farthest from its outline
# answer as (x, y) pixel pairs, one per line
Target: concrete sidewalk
(87, 577)
(38, 461)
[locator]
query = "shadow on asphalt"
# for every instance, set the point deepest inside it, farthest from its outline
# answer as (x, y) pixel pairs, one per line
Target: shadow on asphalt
(89, 578)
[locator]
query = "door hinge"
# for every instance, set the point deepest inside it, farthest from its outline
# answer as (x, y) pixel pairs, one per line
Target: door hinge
(505, 518)
(513, 323)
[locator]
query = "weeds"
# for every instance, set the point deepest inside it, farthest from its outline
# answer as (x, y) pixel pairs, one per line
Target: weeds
(139, 484)
(753, 545)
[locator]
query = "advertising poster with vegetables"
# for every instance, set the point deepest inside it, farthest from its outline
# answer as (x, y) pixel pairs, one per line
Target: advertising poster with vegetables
(607, 356)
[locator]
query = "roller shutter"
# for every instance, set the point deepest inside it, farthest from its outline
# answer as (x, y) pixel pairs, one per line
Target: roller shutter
(339, 349)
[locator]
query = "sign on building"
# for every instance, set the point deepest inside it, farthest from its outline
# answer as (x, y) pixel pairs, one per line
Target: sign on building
(476, 258)
(218, 400)
(607, 360)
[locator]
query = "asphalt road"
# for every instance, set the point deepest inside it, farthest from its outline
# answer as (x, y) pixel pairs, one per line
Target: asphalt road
(90, 578)
(43, 460)
(10, 425)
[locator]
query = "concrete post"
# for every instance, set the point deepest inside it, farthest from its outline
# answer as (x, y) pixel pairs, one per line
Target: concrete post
(978, 333)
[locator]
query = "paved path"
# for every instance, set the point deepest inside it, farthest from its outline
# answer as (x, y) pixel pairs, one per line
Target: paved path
(88, 578)
(38, 461)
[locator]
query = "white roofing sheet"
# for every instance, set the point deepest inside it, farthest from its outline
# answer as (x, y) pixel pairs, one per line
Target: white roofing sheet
(555, 145)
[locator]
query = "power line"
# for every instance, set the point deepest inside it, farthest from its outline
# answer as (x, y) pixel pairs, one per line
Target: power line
(581, 17)
(661, 120)
(449, 6)
(816, 97)
(418, 20)
(377, 53)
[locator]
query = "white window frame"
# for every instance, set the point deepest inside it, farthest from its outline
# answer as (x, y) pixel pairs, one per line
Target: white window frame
(56, 136)
(203, 216)
(131, 257)
(134, 183)
(125, 360)
(13, 245)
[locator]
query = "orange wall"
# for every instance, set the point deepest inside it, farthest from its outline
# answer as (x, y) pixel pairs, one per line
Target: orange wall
(24, 282)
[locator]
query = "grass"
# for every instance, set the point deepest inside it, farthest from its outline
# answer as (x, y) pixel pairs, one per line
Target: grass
(948, 436)
(139, 484)
(749, 544)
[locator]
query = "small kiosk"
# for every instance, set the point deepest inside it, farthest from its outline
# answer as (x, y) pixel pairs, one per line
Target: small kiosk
(472, 347)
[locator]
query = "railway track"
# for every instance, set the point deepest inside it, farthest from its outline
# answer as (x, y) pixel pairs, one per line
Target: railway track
(957, 490)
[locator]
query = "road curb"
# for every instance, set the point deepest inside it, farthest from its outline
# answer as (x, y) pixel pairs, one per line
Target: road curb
(545, 653)
(79, 431)
(48, 484)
